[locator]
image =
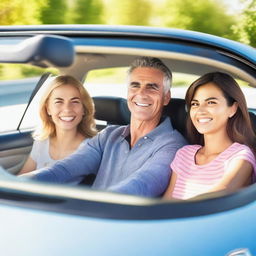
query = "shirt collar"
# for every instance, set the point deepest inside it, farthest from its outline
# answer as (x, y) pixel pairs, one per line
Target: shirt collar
(161, 128)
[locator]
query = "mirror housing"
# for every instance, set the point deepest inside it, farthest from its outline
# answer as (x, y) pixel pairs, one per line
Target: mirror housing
(40, 50)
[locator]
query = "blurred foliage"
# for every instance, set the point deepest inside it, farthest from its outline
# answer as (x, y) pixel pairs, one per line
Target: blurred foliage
(127, 12)
(20, 12)
(54, 12)
(208, 16)
(86, 12)
(107, 75)
(18, 71)
(245, 29)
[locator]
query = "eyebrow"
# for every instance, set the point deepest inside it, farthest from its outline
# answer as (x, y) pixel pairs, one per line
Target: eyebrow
(147, 84)
(210, 98)
(134, 83)
(74, 98)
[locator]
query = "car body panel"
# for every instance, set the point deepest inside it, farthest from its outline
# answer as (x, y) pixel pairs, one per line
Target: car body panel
(61, 234)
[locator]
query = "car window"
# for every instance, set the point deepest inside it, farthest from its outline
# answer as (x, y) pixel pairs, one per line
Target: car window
(107, 82)
(16, 85)
(112, 82)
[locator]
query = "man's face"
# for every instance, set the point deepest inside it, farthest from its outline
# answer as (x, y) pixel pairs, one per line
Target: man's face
(146, 96)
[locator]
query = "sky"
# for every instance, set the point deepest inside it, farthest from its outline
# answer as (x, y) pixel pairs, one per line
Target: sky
(235, 6)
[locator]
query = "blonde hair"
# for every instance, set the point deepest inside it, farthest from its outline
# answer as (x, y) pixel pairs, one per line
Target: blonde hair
(86, 127)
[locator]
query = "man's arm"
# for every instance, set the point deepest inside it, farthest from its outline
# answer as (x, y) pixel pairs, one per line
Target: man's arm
(84, 161)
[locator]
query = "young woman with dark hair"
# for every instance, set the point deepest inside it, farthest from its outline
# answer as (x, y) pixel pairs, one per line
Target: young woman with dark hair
(223, 154)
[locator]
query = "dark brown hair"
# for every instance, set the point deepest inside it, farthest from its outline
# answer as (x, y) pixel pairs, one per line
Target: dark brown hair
(239, 127)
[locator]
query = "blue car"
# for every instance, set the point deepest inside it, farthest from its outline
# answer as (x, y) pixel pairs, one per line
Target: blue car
(38, 218)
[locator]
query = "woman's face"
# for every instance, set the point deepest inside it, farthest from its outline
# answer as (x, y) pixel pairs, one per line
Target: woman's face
(65, 107)
(209, 110)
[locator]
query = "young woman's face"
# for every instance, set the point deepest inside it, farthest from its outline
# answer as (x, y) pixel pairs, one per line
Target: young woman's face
(209, 110)
(65, 107)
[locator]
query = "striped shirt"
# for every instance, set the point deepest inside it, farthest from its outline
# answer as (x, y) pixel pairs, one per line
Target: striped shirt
(193, 179)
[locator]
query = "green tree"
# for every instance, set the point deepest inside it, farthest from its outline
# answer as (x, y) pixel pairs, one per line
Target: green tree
(246, 28)
(20, 12)
(54, 12)
(206, 16)
(87, 12)
(128, 12)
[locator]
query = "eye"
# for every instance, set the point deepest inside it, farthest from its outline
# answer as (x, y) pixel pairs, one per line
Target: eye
(211, 102)
(76, 101)
(153, 87)
(57, 102)
(194, 104)
(134, 85)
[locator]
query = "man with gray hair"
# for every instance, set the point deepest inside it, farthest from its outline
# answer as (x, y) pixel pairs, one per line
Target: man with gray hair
(133, 159)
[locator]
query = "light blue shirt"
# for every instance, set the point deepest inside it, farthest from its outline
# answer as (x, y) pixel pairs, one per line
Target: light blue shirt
(141, 170)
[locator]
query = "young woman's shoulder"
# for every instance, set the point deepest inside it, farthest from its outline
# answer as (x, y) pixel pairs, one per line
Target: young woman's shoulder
(189, 148)
(240, 148)
(241, 151)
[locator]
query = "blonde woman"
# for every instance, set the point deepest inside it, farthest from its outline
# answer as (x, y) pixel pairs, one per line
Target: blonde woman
(67, 115)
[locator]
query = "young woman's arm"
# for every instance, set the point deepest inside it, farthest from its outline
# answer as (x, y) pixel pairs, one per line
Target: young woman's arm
(237, 175)
(29, 166)
(168, 192)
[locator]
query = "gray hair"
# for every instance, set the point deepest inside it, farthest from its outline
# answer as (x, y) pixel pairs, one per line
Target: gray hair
(150, 62)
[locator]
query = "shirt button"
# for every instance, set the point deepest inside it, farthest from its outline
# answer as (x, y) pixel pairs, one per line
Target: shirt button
(145, 137)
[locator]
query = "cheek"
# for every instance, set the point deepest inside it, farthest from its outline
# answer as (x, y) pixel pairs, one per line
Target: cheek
(191, 114)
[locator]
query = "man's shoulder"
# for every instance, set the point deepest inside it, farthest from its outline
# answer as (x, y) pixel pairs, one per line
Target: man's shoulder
(169, 134)
(118, 129)
(111, 131)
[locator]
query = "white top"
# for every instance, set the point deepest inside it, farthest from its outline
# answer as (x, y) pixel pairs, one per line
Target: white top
(40, 154)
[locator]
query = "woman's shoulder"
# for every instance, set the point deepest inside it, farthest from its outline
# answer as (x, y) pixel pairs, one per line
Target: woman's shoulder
(41, 143)
(190, 148)
(237, 148)
(187, 150)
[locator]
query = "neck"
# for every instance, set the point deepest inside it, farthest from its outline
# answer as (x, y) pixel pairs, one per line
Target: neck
(139, 129)
(216, 143)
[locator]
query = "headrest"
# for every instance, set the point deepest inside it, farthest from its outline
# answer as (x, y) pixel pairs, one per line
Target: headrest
(253, 121)
(113, 110)
(176, 110)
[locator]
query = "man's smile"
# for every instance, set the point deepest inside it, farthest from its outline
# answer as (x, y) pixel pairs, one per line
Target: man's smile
(142, 104)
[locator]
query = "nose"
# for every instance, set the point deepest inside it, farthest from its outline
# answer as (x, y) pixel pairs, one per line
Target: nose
(67, 107)
(141, 91)
(201, 108)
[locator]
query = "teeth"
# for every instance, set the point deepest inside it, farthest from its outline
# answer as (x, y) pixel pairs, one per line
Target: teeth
(204, 120)
(142, 104)
(67, 118)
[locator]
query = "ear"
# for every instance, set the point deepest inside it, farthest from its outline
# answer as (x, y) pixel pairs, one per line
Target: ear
(167, 97)
(233, 109)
